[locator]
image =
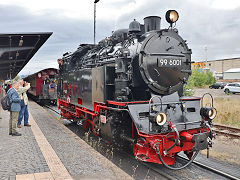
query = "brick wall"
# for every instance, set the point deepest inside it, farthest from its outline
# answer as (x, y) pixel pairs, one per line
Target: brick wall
(223, 65)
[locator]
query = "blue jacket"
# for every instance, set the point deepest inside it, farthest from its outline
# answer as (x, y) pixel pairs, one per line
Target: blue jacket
(14, 100)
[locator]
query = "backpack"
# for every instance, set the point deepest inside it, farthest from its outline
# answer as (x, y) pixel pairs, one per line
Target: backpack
(5, 101)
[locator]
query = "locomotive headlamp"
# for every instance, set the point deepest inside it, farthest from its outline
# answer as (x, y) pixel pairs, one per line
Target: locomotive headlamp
(154, 108)
(171, 16)
(183, 106)
(161, 119)
(208, 112)
(212, 113)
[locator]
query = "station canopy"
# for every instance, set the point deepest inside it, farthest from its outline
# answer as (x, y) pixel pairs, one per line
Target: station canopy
(17, 49)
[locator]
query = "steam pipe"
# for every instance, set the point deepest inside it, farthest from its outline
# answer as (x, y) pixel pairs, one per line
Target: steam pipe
(175, 143)
(165, 153)
(210, 129)
(173, 168)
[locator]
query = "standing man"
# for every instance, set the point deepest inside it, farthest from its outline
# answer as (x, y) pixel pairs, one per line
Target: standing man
(15, 108)
(23, 87)
(46, 85)
(47, 80)
(8, 85)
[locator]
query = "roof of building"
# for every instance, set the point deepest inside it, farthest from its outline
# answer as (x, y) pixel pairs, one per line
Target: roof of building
(210, 60)
(233, 70)
(17, 49)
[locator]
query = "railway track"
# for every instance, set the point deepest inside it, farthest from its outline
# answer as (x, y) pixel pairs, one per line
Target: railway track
(54, 108)
(199, 164)
(216, 171)
(159, 172)
(219, 129)
(169, 176)
(226, 130)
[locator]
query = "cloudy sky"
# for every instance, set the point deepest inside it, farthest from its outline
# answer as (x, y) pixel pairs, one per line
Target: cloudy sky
(214, 24)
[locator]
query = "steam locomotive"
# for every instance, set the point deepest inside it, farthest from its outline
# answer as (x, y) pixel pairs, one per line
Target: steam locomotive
(128, 89)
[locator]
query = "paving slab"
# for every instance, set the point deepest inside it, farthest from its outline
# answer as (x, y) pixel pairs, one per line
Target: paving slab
(49, 150)
(19, 154)
(81, 160)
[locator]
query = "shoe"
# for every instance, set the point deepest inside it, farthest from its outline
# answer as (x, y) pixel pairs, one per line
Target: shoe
(19, 126)
(16, 134)
(28, 125)
(10, 133)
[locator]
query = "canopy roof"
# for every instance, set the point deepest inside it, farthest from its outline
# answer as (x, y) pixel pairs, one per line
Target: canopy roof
(17, 49)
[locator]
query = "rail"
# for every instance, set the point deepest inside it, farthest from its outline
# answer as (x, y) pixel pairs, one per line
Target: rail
(216, 171)
(226, 130)
(168, 176)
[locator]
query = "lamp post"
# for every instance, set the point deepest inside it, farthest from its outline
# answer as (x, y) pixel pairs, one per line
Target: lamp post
(94, 31)
(206, 57)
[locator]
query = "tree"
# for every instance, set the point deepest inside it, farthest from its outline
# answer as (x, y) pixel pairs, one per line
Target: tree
(198, 79)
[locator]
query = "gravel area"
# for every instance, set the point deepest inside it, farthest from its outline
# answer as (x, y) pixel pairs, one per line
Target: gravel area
(215, 93)
(225, 150)
(218, 160)
(75, 158)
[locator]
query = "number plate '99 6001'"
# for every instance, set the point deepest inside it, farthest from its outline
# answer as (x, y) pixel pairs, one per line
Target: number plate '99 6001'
(169, 62)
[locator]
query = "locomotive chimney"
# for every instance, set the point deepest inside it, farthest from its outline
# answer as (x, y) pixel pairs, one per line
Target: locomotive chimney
(152, 23)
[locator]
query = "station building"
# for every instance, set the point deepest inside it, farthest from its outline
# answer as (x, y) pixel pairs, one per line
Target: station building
(224, 69)
(233, 73)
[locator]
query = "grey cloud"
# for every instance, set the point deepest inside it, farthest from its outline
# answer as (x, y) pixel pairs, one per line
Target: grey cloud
(114, 4)
(68, 33)
(199, 25)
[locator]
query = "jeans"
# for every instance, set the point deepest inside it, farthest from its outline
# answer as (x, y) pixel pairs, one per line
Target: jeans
(23, 112)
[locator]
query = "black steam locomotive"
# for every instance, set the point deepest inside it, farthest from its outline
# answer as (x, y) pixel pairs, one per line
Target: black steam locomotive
(128, 89)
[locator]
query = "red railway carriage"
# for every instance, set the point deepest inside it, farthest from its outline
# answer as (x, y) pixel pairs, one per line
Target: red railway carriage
(43, 85)
(128, 89)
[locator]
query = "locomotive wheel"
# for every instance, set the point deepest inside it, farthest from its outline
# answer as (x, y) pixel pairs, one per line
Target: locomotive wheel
(86, 125)
(115, 122)
(189, 154)
(96, 127)
(115, 126)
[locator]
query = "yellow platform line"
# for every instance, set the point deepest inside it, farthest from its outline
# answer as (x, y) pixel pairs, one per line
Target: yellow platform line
(35, 176)
(57, 169)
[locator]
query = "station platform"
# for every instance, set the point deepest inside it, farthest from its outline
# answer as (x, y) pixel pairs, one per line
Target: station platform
(48, 150)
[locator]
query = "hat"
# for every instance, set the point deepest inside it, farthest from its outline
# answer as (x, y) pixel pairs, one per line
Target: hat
(8, 82)
(17, 78)
(14, 82)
